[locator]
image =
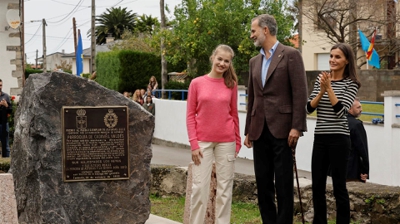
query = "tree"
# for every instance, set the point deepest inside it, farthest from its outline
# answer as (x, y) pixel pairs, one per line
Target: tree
(146, 24)
(163, 59)
(136, 42)
(65, 66)
(114, 22)
(199, 26)
(337, 21)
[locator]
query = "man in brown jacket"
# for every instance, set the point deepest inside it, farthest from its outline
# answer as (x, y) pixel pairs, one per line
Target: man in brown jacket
(276, 117)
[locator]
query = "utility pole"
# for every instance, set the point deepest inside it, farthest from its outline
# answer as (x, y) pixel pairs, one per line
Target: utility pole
(36, 58)
(163, 60)
(22, 14)
(93, 39)
(44, 45)
(74, 28)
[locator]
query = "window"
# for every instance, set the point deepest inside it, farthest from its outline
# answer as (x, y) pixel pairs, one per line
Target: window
(323, 62)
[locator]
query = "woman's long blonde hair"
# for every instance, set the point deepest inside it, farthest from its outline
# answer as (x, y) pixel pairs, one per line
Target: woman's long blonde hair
(136, 95)
(230, 77)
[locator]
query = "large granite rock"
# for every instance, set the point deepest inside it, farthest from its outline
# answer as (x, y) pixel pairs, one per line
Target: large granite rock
(41, 194)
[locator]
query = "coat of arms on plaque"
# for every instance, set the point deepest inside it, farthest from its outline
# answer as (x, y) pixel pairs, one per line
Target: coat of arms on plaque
(111, 119)
(81, 119)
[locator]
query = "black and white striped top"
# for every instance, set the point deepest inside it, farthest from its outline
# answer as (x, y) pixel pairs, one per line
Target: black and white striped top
(333, 119)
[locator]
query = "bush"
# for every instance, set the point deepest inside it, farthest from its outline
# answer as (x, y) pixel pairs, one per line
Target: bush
(108, 69)
(29, 71)
(85, 75)
(177, 85)
(136, 70)
(127, 70)
(5, 165)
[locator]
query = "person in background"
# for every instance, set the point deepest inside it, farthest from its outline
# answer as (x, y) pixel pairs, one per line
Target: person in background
(137, 97)
(277, 95)
(126, 94)
(148, 93)
(143, 94)
(333, 95)
(5, 110)
(213, 128)
(358, 164)
(153, 84)
(149, 105)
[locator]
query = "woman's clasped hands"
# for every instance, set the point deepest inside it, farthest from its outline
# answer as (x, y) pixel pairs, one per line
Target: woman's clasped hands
(325, 79)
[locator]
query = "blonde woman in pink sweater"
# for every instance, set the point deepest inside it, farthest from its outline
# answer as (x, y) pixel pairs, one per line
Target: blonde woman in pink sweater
(213, 128)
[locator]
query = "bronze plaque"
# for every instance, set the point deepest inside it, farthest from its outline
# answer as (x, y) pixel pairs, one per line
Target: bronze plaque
(95, 143)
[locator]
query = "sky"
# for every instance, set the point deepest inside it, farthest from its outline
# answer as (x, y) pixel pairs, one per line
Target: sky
(59, 13)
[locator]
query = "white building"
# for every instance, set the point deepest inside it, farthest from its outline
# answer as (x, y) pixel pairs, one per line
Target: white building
(11, 59)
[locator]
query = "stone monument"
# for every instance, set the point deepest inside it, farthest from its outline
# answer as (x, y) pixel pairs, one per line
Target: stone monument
(42, 195)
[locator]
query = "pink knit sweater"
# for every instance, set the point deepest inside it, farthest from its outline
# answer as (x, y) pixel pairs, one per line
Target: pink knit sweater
(212, 114)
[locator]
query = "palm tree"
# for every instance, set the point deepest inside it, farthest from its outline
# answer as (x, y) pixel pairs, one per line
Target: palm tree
(114, 22)
(146, 24)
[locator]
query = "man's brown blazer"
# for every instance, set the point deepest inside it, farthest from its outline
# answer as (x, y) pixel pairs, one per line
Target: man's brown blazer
(282, 101)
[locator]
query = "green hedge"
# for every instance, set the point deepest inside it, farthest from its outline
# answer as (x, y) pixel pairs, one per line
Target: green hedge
(108, 69)
(128, 70)
(29, 71)
(136, 70)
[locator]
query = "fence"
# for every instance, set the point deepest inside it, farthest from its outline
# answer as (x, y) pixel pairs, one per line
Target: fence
(160, 92)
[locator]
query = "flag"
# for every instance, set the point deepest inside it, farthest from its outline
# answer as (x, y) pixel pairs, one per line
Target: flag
(79, 55)
(374, 61)
(374, 58)
(371, 46)
(364, 41)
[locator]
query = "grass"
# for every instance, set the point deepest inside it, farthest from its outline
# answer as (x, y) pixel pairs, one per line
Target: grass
(372, 108)
(173, 208)
(3, 160)
(4, 164)
(168, 207)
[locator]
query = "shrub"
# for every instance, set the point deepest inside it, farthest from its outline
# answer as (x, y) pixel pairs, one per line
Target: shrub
(29, 71)
(177, 85)
(5, 165)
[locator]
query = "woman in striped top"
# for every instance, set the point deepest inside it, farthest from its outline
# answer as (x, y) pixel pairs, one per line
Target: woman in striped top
(333, 95)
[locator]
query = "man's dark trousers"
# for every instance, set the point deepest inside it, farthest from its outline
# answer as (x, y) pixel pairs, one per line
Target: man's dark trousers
(273, 157)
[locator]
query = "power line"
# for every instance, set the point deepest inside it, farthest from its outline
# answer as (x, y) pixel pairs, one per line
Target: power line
(63, 41)
(34, 34)
(85, 7)
(117, 3)
(69, 14)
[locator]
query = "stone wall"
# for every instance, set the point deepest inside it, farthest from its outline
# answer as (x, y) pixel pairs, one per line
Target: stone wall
(369, 203)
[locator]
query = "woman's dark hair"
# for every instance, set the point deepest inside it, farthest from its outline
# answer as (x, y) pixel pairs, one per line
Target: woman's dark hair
(151, 98)
(350, 69)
